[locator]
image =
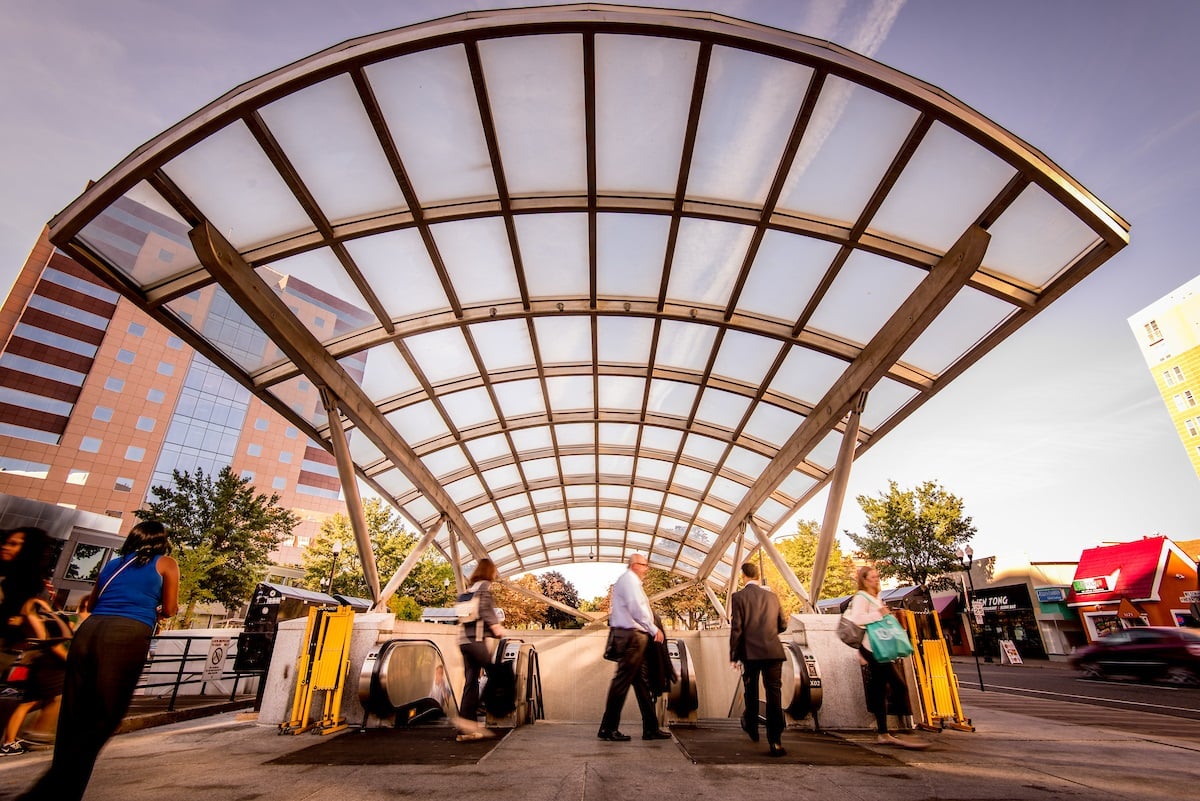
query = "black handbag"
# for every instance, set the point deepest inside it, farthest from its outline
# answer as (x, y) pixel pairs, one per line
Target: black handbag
(611, 651)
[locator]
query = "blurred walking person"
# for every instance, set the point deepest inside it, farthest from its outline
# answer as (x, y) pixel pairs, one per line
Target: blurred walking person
(132, 593)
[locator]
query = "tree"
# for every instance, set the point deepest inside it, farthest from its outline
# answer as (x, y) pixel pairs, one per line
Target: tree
(688, 608)
(430, 583)
(913, 534)
(800, 552)
(520, 611)
(223, 532)
(556, 587)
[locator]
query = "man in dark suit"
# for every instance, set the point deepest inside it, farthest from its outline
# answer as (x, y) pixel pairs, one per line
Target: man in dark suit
(756, 620)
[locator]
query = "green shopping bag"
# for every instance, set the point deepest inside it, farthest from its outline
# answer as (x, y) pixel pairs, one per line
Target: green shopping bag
(888, 640)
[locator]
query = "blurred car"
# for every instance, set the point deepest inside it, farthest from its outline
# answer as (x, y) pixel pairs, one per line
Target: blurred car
(1148, 652)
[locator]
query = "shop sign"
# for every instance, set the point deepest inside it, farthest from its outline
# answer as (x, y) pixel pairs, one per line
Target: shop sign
(1190, 597)
(1051, 595)
(1087, 585)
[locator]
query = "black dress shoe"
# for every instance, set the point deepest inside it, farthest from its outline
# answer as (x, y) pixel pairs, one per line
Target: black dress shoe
(657, 734)
(776, 750)
(613, 736)
(750, 730)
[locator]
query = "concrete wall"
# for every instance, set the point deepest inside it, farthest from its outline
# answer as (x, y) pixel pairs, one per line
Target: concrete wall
(574, 674)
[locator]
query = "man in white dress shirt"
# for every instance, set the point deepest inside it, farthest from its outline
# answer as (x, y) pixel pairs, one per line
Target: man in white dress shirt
(633, 623)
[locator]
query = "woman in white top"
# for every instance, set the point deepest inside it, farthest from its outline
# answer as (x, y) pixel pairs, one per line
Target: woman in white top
(882, 677)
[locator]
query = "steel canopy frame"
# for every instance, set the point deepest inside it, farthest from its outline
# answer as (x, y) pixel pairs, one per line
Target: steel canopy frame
(550, 416)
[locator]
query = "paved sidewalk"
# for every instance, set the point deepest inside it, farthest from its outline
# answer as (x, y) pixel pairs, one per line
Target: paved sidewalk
(1012, 755)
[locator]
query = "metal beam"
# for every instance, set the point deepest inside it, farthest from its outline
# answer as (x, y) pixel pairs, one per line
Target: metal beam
(908, 322)
(345, 466)
(785, 570)
(268, 311)
(715, 600)
(837, 494)
(406, 567)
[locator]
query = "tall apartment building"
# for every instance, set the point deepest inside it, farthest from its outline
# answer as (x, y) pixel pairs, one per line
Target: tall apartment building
(1168, 332)
(99, 403)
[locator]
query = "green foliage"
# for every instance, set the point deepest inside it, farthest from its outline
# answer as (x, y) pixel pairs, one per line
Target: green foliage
(800, 552)
(556, 587)
(223, 532)
(430, 583)
(520, 611)
(688, 608)
(405, 608)
(913, 534)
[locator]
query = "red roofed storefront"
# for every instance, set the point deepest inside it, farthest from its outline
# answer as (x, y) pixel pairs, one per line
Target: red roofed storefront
(1147, 582)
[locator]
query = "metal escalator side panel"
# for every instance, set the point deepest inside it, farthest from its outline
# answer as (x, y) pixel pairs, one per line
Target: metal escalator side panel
(405, 675)
(683, 697)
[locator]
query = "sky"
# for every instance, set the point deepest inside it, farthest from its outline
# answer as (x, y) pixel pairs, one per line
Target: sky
(1056, 441)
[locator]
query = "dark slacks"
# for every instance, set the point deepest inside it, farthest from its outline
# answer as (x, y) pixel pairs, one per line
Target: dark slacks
(883, 680)
(476, 660)
(631, 645)
(103, 666)
(771, 672)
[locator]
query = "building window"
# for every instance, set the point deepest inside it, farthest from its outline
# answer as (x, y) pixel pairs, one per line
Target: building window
(175, 343)
(87, 560)
(302, 385)
(1191, 426)
(135, 454)
(90, 445)
(114, 384)
(123, 485)
(1179, 404)
(247, 475)
(145, 424)
(21, 467)
(102, 413)
(166, 368)
(279, 483)
(1191, 399)
(319, 322)
(1178, 371)
(254, 449)
(291, 432)
(260, 424)
(125, 356)
(77, 477)
(1152, 332)
(137, 329)
(1170, 379)
(156, 396)
(285, 457)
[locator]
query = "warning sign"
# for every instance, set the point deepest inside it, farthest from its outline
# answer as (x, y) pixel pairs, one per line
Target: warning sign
(218, 651)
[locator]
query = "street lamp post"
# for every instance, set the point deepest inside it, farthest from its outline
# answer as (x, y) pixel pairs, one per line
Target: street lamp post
(966, 558)
(337, 549)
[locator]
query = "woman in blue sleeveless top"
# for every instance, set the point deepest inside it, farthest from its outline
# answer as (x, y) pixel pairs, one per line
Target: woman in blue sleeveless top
(106, 657)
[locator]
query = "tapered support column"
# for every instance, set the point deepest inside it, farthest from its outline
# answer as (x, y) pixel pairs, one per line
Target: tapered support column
(410, 562)
(785, 570)
(345, 466)
(837, 494)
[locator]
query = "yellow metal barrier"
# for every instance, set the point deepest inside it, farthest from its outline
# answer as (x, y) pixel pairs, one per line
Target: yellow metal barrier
(936, 683)
(322, 668)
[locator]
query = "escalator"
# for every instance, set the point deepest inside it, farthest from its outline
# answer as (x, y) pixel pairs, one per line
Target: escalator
(683, 698)
(405, 682)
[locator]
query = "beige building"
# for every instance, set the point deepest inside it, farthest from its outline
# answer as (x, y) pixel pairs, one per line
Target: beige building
(1168, 333)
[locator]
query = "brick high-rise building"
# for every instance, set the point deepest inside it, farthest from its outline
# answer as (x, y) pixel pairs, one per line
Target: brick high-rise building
(1168, 333)
(98, 403)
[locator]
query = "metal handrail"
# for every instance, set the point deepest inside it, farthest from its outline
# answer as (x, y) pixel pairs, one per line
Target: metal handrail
(183, 675)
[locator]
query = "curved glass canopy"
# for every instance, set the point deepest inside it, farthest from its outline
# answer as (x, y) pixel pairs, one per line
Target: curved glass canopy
(584, 280)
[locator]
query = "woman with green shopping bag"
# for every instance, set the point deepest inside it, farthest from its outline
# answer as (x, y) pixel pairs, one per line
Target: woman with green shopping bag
(879, 653)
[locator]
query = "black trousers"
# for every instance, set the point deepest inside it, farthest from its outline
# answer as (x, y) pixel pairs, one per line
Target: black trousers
(476, 660)
(771, 672)
(631, 644)
(103, 666)
(883, 680)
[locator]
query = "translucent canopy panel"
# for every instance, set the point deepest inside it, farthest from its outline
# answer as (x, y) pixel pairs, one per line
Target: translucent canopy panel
(586, 280)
